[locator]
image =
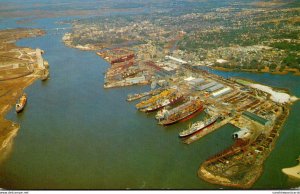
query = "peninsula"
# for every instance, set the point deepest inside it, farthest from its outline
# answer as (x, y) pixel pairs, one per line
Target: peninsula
(19, 68)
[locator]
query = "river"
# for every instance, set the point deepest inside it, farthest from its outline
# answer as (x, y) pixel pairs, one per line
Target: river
(77, 135)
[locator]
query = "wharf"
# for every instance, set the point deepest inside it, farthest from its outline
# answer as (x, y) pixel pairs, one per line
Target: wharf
(40, 60)
(207, 131)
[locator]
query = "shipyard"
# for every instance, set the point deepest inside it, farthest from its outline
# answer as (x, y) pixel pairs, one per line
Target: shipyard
(182, 89)
(189, 91)
(172, 94)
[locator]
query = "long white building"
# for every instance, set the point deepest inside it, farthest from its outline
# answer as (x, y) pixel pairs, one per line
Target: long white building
(221, 92)
(176, 59)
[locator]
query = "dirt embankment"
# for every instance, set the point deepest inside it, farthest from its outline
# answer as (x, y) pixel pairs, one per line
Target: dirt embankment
(17, 71)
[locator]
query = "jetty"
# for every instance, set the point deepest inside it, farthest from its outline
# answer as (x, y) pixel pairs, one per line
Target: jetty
(206, 131)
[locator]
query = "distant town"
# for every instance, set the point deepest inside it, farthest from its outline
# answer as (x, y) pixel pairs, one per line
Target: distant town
(235, 38)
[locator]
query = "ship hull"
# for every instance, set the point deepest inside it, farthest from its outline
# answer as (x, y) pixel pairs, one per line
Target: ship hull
(21, 105)
(183, 118)
(129, 99)
(162, 105)
(18, 110)
(197, 130)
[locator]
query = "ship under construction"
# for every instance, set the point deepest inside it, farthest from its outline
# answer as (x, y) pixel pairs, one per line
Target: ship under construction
(151, 101)
(169, 100)
(182, 112)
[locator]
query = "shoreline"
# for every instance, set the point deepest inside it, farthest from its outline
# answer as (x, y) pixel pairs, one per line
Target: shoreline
(279, 95)
(13, 59)
(94, 48)
(258, 167)
(293, 71)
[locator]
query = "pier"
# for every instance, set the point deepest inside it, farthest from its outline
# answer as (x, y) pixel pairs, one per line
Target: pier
(206, 131)
(40, 60)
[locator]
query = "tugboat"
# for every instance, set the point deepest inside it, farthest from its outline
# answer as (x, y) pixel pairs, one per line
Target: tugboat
(197, 126)
(293, 172)
(21, 104)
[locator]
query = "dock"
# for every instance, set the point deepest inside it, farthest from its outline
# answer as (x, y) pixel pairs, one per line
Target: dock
(207, 131)
(40, 60)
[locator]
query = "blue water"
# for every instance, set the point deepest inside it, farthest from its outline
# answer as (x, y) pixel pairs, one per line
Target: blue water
(76, 135)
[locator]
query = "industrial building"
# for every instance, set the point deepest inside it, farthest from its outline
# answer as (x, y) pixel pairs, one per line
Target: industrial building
(205, 86)
(135, 80)
(214, 88)
(221, 92)
(194, 81)
(176, 59)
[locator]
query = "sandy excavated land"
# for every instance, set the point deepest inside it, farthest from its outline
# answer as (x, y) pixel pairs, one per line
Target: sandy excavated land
(279, 97)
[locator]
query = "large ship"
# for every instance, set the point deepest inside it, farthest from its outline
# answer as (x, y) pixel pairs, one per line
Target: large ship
(174, 97)
(199, 125)
(186, 110)
(146, 103)
(21, 104)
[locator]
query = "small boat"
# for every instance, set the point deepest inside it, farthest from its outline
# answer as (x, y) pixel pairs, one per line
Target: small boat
(21, 103)
(132, 97)
(293, 172)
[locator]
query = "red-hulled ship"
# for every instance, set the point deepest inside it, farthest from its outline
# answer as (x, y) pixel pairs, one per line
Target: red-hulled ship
(184, 111)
